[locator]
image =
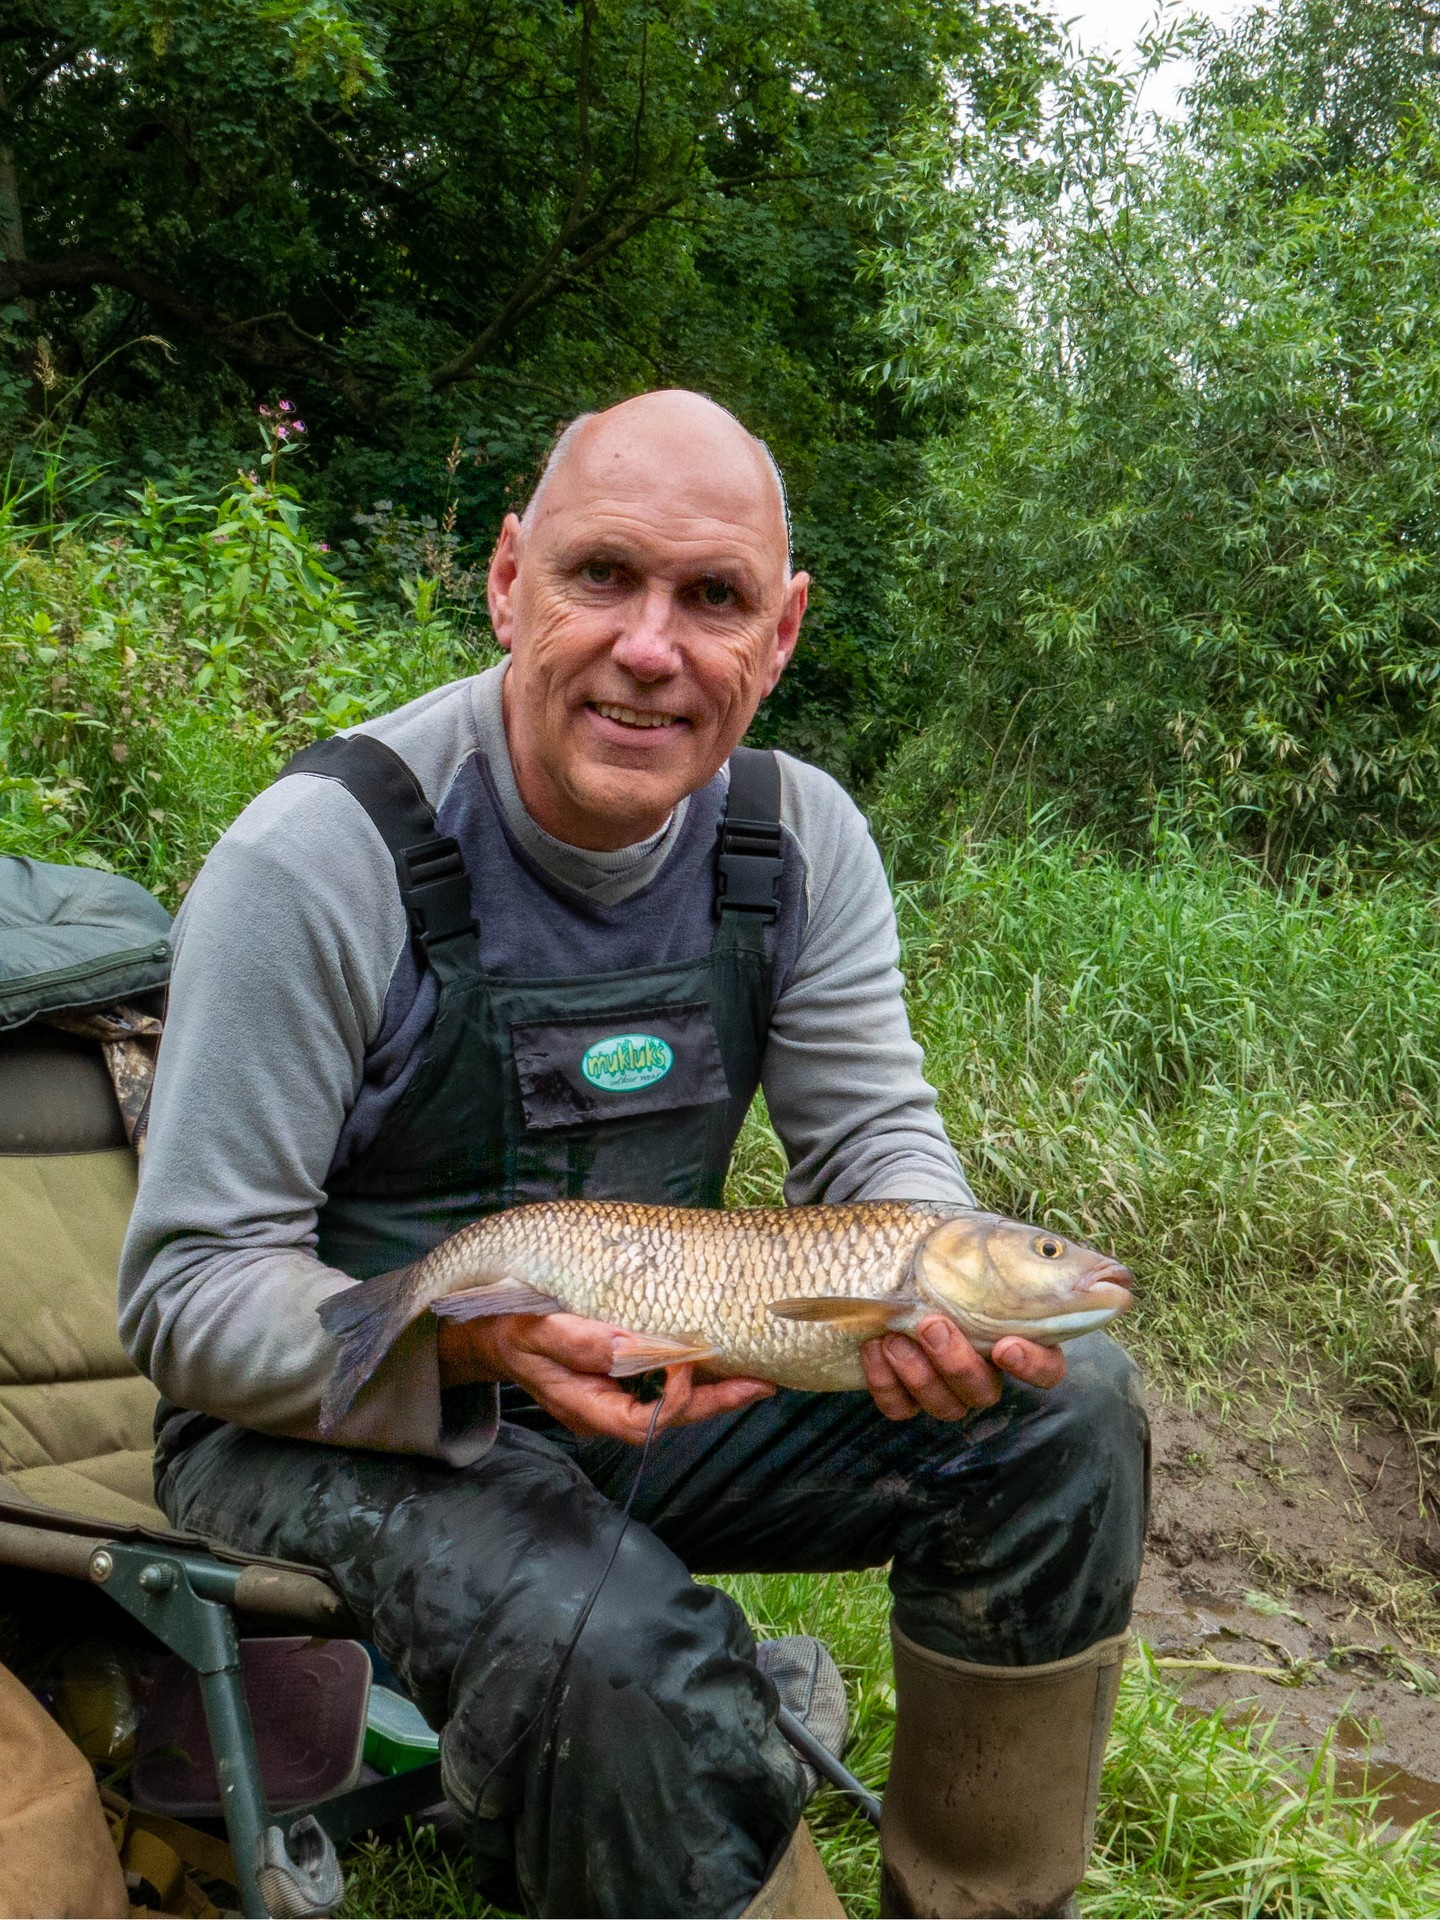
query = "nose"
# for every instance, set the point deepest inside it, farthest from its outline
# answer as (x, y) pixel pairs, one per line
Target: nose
(648, 648)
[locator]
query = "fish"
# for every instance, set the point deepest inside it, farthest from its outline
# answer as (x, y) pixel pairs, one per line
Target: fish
(785, 1294)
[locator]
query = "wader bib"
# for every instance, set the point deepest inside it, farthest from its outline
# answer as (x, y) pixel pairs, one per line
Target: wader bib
(605, 1086)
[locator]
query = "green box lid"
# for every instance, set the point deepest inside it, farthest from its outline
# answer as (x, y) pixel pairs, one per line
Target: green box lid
(397, 1735)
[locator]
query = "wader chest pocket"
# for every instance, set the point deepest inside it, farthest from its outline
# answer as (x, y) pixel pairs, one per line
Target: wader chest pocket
(574, 1072)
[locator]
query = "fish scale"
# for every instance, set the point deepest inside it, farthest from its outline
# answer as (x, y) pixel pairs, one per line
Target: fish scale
(787, 1294)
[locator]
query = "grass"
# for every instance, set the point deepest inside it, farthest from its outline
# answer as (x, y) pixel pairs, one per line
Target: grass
(1232, 1083)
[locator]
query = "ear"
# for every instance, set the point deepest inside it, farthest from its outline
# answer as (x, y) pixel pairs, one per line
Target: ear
(500, 586)
(787, 630)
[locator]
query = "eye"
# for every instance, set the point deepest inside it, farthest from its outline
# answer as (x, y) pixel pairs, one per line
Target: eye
(598, 572)
(717, 593)
(1048, 1247)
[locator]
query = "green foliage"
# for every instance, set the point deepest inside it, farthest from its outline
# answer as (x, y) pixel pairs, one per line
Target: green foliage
(1198, 1817)
(431, 223)
(1351, 73)
(1179, 540)
(157, 667)
(1234, 1087)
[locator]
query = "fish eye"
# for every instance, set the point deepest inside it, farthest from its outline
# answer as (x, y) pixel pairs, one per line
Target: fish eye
(1048, 1247)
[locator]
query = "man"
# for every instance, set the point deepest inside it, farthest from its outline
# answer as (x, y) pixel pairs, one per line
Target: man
(350, 1072)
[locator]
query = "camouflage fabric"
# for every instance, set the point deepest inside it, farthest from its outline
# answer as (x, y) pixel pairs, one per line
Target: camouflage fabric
(652, 1780)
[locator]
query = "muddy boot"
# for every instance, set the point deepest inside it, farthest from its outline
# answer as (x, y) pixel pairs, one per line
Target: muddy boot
(799, 1888)
(990, 1808)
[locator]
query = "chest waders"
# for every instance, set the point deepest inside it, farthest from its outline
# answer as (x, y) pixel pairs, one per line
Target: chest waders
(609, 1086)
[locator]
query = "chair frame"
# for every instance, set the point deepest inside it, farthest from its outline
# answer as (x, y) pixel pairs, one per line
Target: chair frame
(188, 1595)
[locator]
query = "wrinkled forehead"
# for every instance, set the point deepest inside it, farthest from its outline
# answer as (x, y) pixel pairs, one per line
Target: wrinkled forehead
(677, 472)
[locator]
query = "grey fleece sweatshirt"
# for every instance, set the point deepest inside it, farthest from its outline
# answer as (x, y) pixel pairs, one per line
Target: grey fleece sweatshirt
(297, 1016)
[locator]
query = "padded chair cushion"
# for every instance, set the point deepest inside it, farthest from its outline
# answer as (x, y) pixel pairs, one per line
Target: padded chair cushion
(75, 1415)
(116, 1488)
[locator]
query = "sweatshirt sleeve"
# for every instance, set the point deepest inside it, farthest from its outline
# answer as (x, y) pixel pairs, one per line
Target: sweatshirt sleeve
(843, 1078)
(285, 948)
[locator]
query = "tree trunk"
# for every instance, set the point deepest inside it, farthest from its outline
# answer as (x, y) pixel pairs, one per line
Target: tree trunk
(12, 230)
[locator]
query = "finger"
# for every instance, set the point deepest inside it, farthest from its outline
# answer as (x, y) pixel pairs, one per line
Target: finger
(969, 1377)
(1027, 1360)
(886, 1388)
(585, 1346)
(725, 1396)
(928, 1389)
(591, 1407)
(675, 1404)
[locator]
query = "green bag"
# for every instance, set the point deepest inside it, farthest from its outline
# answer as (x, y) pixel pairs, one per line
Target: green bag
(73, 937)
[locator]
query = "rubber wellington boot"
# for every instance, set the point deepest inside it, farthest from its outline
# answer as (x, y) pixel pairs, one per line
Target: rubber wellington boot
(799, 1888)
(990, 1808)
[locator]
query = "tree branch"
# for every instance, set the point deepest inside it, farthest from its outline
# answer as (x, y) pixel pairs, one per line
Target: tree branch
(12, 225)
(33, 279)
(542, 285)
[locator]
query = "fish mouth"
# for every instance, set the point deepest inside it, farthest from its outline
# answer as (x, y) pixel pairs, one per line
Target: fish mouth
(1108, 1290)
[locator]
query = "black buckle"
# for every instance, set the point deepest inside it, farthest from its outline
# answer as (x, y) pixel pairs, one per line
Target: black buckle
(750, 865)
(437, 890)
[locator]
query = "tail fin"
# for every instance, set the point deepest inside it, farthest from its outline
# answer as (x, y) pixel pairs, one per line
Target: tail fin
(365, 1321)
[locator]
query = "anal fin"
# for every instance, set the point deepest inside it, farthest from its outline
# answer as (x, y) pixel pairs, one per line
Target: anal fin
(854, 1313)
(632, 1353)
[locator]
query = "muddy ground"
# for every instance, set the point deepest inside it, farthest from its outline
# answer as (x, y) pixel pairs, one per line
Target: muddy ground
(1294, 1537)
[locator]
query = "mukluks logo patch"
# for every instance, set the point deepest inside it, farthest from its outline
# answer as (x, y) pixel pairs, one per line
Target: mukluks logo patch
(622, 1062)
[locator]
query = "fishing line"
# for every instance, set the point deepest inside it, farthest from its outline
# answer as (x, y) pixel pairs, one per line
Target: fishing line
(547, 1705)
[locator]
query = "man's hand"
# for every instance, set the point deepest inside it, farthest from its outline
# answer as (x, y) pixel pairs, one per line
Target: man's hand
(563, 1362)
(938, 1371)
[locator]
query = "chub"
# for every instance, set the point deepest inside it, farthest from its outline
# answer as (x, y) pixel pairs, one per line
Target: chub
(788, 1294)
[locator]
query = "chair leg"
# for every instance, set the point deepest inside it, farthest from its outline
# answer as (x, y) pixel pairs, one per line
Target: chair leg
(160, 1590)
(242, 1798)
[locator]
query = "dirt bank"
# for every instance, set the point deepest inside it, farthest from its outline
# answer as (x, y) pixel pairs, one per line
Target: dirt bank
(1290, 1536)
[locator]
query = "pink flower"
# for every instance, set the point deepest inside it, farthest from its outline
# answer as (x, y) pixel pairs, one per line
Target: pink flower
(323, 547)
(282, 433)
(287, 406)
(299, 426)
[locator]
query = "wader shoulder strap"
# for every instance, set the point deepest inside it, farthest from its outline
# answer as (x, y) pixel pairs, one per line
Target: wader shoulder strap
(750, 859)
(434, 886)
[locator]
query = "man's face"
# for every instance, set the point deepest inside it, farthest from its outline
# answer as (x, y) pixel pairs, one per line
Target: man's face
(647, 613)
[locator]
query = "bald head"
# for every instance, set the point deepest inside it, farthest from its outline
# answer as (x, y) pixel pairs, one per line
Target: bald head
(701, 445)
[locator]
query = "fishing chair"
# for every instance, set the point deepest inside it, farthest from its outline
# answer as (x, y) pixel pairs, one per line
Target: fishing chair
(75, 1453)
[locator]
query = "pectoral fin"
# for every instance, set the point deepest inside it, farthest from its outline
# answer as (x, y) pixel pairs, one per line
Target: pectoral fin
(497, 1296)
(633, 1353)
(855, 1314)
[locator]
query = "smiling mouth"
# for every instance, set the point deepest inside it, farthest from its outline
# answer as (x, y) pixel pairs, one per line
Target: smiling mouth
(633, 717)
